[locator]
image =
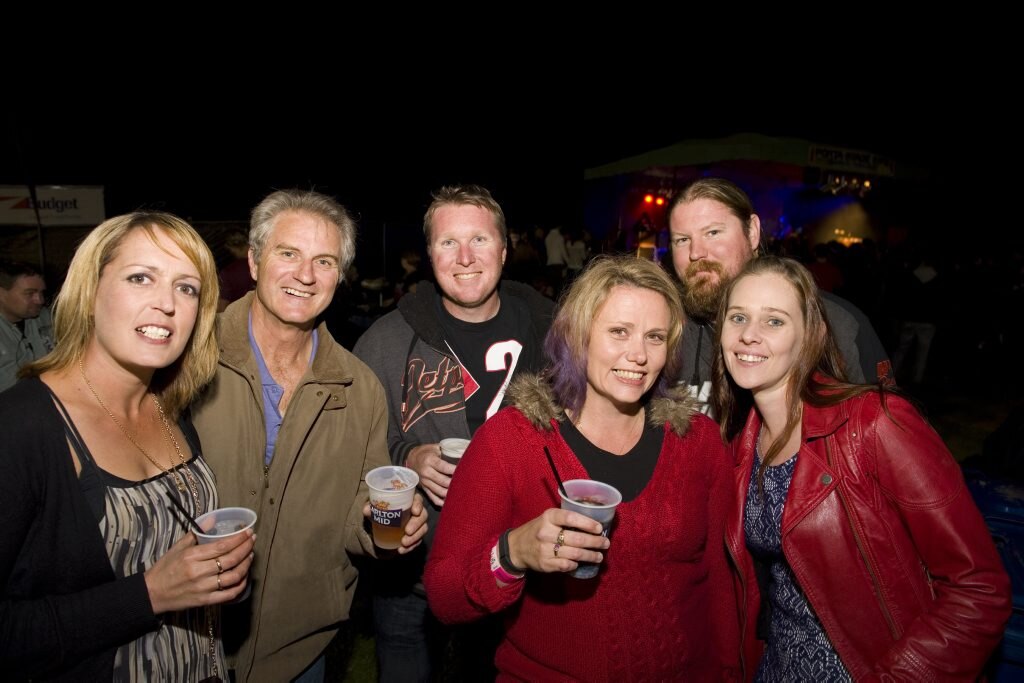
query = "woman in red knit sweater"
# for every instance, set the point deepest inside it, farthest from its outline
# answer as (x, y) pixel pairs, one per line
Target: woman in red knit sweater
(661, 606)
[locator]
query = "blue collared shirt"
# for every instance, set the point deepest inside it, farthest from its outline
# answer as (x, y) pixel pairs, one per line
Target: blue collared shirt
(272, 393)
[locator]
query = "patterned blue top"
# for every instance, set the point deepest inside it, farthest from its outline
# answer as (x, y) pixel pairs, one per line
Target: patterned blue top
(797, 648)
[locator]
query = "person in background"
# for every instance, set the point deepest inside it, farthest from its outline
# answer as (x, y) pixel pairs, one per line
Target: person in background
(662, 605)
(292, 423)
(714, 232)
(445, 358)
(235, 279)
(102, 577)
(860, 553)
(26, 328)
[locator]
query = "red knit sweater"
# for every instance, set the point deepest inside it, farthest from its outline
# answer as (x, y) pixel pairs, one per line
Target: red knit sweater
(662, 606)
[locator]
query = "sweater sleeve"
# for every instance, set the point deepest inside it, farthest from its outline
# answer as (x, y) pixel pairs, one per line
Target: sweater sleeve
(378, 348)
(44, 627)
(953, 638)
(478, 509)
(725, 636)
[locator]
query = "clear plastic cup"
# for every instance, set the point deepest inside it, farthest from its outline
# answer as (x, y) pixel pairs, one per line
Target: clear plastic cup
(224, 522)
(597, 501)
(391, 494)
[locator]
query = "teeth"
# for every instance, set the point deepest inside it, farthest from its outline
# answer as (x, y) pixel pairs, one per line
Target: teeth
(295, 292)
(747, 358)
(154, 332)
(465, 276)
(626, 374)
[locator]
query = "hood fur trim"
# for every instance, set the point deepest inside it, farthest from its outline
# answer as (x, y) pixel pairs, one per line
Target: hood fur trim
(532, 396)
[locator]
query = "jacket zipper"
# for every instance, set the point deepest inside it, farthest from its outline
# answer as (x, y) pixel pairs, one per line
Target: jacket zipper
(864, 556)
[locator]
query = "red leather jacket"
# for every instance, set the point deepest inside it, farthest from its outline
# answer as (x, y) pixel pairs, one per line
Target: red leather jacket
(886, 543)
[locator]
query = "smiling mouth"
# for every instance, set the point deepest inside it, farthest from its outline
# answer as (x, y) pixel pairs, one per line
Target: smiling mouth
(466, 276)
(153, 332)
(295, 292)
(628, 374)
(747, 358)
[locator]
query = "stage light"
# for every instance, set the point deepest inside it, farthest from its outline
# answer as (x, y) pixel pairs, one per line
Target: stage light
(648, 198)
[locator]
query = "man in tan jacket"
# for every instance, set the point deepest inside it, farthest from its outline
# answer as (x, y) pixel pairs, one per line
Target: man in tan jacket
(291, 425)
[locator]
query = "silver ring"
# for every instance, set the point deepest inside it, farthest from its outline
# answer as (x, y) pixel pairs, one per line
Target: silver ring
(560, 541)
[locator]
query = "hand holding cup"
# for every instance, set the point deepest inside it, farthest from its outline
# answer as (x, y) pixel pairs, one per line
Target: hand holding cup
(579, 539)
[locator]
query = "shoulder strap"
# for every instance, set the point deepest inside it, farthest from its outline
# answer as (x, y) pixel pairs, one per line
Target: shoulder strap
(72, 432)
(90, 479)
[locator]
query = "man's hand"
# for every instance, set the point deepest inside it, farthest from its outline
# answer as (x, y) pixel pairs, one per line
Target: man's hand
(416, 527)
(435, 474)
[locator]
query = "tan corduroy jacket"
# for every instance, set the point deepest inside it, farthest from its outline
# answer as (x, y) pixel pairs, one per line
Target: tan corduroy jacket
(309, 500)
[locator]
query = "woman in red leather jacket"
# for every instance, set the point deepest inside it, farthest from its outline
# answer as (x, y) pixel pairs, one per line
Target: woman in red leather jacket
(859, 551)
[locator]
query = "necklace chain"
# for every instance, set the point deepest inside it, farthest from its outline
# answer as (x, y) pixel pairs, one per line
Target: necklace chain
(180, 477)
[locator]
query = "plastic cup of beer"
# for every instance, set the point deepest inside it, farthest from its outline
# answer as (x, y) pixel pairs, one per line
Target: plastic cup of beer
(595, 500)
(452, 450)
(391, 493)
(224, 522)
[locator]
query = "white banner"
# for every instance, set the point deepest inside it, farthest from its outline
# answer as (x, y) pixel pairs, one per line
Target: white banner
(58, 205)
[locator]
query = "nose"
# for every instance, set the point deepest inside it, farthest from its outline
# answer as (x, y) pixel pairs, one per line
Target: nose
(750, 334)
(38, 298)
(304, 273)
(165, 299)
(697, 249)
(465, 256)
(637, 351)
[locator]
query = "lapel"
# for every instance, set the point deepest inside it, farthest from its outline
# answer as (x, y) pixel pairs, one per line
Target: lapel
(814, 478)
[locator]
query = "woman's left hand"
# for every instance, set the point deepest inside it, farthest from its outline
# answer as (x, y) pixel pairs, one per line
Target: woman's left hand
(415, 528)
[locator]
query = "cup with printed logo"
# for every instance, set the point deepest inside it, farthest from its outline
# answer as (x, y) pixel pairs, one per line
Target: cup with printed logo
(595, 500)
(391, 493)
(222, 523)
(452, 450)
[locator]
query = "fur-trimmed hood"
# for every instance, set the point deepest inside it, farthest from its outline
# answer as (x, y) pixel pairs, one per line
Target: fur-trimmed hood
(532, 396)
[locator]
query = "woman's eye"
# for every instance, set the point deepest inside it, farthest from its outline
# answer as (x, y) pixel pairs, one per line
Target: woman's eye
(138, 278)
(189, 290)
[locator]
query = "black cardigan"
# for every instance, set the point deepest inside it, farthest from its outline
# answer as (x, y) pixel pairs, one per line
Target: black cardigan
(63, 613)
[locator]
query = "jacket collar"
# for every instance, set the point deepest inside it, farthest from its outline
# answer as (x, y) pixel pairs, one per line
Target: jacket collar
(533, 397)
(330, 365)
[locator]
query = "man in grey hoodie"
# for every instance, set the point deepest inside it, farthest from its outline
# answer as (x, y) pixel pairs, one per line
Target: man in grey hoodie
(445, 358)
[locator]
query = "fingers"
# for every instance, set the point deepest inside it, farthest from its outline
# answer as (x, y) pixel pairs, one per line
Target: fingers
(415, 530)
(435, 473)
(224, 545)
(574, 520)
(435, 492)
(549, 543)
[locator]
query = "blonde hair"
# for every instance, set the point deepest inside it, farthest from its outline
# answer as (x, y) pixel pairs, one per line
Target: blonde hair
(74, 323)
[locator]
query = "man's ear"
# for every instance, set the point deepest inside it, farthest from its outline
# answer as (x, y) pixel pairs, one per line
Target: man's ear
(754, 234)
(253, 266)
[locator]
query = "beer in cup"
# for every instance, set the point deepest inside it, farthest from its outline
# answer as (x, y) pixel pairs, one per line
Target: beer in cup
(391, 493)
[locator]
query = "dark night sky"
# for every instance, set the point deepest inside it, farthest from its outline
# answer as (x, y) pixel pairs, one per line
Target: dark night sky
(215, 160)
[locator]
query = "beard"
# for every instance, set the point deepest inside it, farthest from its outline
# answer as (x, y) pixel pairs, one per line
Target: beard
(702, 296)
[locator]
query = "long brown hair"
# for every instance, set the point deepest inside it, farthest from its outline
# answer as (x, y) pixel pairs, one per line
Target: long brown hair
(818, 377)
